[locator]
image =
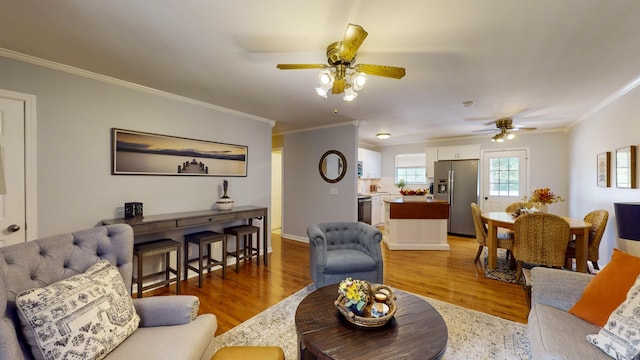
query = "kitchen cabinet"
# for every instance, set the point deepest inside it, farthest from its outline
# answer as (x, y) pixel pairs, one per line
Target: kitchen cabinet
(371, 163)
(376, 199)
(431, 156)
(460, 152)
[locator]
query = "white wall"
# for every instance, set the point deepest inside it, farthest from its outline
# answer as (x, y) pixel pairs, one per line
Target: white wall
(74, 116)
(307, 197)
(615, 126)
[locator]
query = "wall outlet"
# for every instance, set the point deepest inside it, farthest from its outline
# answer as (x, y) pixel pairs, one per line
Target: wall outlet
(333, 191)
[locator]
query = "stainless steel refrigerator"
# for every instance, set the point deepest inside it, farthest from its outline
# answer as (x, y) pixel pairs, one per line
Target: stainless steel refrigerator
(456, 181)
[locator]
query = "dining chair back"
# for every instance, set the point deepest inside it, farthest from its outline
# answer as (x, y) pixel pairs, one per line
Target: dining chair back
(504, 242)
(598, 220)
(540, 238)
(516, 206)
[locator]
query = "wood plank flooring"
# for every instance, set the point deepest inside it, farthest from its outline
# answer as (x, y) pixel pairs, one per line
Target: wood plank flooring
(449, 276)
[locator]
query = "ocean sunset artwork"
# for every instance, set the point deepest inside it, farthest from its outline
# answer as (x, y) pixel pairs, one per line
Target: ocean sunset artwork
(153, 154)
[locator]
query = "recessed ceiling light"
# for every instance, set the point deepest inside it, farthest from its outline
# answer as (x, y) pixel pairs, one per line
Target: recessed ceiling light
(383, 136)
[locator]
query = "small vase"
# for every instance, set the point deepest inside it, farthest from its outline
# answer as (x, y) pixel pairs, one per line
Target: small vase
(542, 208)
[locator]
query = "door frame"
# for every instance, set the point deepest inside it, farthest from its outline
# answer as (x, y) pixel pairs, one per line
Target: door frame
(483, 170)
(30, 160)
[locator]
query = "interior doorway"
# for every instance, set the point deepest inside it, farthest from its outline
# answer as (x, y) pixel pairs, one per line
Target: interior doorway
(276, 190)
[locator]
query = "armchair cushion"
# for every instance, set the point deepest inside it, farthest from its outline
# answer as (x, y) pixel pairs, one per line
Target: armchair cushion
(347, 261)
(83, 316)
(166, 310)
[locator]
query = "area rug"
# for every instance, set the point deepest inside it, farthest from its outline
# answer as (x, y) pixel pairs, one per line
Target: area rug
(503, 271)
(472, 334)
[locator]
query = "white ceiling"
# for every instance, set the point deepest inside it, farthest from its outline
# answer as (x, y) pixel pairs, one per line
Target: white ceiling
(547, 62)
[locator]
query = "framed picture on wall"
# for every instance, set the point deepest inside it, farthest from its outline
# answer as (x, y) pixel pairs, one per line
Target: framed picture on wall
(141, 153)
(604, 169)
(626, 167)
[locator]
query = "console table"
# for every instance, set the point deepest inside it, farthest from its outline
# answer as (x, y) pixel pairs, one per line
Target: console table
(183, 220)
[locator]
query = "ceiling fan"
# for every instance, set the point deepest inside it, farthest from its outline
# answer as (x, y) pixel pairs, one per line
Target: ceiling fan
(505, 129)
(343, 75)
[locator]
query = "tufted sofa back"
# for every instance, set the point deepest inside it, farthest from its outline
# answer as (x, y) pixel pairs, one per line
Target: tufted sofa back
(41, 262)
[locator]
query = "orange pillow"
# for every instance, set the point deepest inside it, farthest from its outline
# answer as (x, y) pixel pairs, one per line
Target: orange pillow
(608, 289)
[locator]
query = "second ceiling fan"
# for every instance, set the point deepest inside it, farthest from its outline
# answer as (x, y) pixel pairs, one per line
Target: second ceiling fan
(505, 129)
(342, 74)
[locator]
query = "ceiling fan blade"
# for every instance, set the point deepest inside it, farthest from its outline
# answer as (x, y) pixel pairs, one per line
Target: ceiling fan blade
(487, 130)
(338, 86)
(353, 38)
(301, 66)
(381, 70)
(517, 128)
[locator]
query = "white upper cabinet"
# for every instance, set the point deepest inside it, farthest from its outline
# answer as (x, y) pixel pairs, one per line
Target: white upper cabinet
(460, 152)
(371, 163)
(431, 156)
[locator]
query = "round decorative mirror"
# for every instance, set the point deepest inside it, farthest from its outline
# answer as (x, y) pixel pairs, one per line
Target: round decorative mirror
(333, 166)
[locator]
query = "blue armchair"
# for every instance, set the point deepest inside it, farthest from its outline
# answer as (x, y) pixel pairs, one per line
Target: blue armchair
(344, 249)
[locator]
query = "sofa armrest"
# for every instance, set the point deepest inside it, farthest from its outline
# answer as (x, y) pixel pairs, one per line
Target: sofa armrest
(558, 288)
(166, 310)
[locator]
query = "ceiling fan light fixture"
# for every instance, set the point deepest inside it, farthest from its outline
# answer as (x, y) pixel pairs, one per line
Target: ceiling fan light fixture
(383, 136)
(325, 77)
(359, 80)
(322, 92)
(349, 94)
(498, 138)
(511, 136)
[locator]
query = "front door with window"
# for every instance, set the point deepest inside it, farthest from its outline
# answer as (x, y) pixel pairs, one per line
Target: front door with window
(504, 178)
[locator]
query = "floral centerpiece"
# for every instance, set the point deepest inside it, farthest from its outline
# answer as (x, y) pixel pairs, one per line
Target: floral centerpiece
(542, 197)
(355, 293)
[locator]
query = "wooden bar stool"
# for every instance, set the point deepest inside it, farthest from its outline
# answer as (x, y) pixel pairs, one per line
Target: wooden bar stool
(248, 251)
(204, 239)
(158, 247)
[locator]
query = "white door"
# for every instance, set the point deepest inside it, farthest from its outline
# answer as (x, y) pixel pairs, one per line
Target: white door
(504, 178)
(12, 204)
(276, 189)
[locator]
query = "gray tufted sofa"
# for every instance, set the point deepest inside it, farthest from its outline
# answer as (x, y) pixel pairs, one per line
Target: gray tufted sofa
(169, 325)
(339, 250)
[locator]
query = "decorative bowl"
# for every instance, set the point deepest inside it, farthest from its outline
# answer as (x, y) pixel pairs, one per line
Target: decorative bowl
(370, 318)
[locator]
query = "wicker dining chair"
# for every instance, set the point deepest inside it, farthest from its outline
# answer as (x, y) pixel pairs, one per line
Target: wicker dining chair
(541, 239)
(504, 241)
(516, 206)
(598, 220)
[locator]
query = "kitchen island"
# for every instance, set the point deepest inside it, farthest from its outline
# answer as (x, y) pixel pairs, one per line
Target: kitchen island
(416, 225)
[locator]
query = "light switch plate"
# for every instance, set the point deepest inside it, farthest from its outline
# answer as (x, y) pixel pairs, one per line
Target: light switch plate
(333, 191)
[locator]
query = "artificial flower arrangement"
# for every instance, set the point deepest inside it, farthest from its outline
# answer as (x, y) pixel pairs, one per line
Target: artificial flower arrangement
(543, 196)
(356, 294)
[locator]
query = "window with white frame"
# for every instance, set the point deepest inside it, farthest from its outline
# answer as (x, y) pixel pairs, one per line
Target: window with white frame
(411, 168)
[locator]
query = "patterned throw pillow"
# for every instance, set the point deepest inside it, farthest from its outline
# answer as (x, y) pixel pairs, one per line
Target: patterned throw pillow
(620, 336)
(82, 317)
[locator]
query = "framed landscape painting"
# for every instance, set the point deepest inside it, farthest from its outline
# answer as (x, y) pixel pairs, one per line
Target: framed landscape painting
(141, 153)
(603, 166)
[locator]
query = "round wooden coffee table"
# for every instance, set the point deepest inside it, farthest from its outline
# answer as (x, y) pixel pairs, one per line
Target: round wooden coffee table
(417, 331)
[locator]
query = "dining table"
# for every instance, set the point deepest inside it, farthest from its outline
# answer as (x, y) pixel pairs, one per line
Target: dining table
(505, 220)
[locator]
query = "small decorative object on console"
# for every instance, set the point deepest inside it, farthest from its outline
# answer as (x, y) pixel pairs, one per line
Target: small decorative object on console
(365, 305)
(132, 210)
(225, 202)
(542, 197)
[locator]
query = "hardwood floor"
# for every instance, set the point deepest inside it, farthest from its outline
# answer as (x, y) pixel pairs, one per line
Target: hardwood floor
(449, 276)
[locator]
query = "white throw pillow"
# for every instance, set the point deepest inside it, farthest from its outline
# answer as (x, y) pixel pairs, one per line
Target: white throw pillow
(85, 316)
(620, 336)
